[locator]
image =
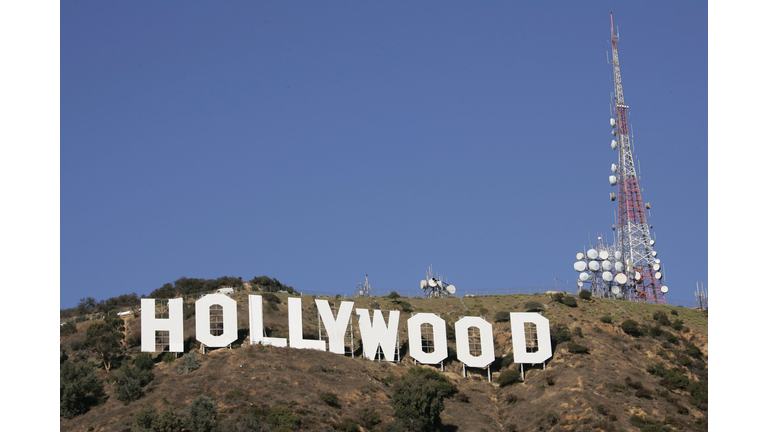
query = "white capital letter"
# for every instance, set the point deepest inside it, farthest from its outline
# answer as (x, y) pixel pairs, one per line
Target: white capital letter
(414, 338)
(380, 334)
(203, 320)
(336, 328)
(519, 343)
(295, 328)
(174, 325)
(256, 321)
(486, 342)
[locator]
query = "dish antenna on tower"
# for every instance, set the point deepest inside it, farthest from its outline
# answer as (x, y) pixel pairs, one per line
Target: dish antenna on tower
(436, 286)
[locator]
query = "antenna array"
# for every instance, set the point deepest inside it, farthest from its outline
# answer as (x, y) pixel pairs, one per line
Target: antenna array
(436, 286)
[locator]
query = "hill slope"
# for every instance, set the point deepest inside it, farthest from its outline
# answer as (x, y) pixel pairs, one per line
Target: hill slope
(600, 379)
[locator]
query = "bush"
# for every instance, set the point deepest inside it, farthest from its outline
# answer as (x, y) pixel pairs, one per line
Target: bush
(570, 301)
(283, 418)
(148, 420)
(202, 415)
(501, 316)
(533, 306)
(189, 363)
(369, 418)
(606, 319)
(67, 329)
(393, 295)
(417, 398)
(632, 328)
(558, 297)
(662, 318)
(559, 334)
(330, 399)
(575, 348)
(677, 325)
(585, 294)
(144, 361)
(168, 357)
(509, 377)
(271, 298)
(79, 387)
(129, 381)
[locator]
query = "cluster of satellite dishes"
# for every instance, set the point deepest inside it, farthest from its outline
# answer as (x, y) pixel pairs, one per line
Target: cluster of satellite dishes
(363, 289)
(609, 275)
(436, 286)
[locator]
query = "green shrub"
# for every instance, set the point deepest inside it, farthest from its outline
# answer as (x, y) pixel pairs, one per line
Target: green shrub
(662, 318)
(585, 294)
(149, 420)
(501, 316)
(533, 306)
(657, 369)
(271, 298)
(417, 398)
(575, 348)
(570, 301)
(606, 319)
(559, 334)
(67, 329)
(675, 379)
(393, 295)
(692, 350)
(369, 418)
(79, 387)
(508, 377)
(189, 363)
(202, 415)
(144, 361)
(168, 357)
(632, 328)
(558, 297)
(129, 381)
(283, 418)
(330, 399)
(677, 325)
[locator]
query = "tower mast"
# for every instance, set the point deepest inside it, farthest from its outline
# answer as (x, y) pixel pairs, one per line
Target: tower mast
(633, 237)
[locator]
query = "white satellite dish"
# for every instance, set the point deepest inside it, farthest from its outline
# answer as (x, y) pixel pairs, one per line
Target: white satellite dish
(432, 282)
(607, 265)
(658, 261)
(440, 284)
(614, 144)
(654, 253)
(607, 276)
(615, 289)
(604, 255)
(638, 276)
(579, 256)
(613, 180)
(423, 284)
(617, 255)
(583, 276)
(657, 275)
(664, 289)
(613, 122)
(451, 289)
(592, 254)
(594, 265)
(656, 267)
(621, 278)
(619, 295)
(619, 266)
(579, 283)
(614, 168)
(653, 242)
(579, 266)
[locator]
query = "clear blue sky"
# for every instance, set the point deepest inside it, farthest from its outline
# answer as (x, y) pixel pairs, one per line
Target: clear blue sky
(317, 142)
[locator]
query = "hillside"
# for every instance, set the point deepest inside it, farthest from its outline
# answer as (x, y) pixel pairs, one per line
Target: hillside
(600, 379)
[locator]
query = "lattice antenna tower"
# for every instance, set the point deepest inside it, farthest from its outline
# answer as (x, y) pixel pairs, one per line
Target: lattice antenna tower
(633, 237)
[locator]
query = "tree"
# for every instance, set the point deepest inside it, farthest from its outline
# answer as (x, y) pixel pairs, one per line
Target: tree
(418, 398)
(79, 387)
(202, 415)
(105, 340)
(129, 382)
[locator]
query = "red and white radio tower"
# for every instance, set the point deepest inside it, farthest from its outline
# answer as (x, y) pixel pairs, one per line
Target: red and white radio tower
(633, 237)
(628, 269)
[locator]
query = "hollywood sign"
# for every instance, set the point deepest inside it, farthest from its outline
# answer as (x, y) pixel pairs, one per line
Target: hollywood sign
(373, 333)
